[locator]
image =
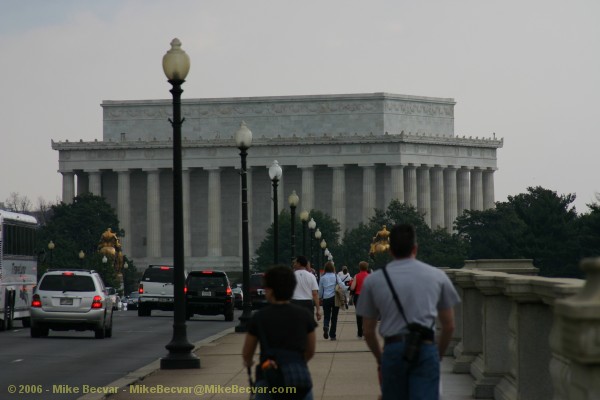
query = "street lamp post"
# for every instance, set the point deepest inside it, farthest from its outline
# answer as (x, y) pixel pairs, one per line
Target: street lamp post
(275, 173)
(176, 65)
(51, 249)
(293, 200)
(318, 235)
(322, 253)
(311, 228)
(81, 257)
(304, 218)
(243, 140)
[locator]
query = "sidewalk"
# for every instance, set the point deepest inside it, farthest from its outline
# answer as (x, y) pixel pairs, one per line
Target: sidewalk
(341, 369)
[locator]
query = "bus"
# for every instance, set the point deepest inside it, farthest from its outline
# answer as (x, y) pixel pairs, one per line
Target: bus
(18, 267)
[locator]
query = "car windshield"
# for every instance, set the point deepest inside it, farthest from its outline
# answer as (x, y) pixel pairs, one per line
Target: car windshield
(134, 294)
(159, 275)
(206, 282)
(67, 283)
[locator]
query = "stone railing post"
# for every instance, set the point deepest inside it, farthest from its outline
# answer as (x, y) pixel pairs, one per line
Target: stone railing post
(575, 340)
(471, 344)
(493, 363)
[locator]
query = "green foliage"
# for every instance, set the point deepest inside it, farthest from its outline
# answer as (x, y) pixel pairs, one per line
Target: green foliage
(75, 227)
(539, 224)
(329, 229)
(438, 248)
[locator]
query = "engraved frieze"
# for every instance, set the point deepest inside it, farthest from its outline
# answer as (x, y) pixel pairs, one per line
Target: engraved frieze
(149, 153)
(304, 150)
(394, 148)
(365, 148)
(336, 149)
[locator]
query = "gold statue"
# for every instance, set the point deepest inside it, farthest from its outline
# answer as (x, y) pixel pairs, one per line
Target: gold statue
(110, 246)
(381, 242)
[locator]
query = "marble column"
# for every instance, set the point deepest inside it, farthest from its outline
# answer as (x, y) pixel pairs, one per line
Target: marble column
(187, 220)
(82, 183)
(464, 190)
(476, 189)
(424, 193)
(68, 186)
(214, 212)
(450, 198)
(397, 182)
(437, 196)
(338, 197)
(95, 182)
(488, 189)
(124, 209)
(308, 188)
(153, 228)
(410, 185)
(369, 192)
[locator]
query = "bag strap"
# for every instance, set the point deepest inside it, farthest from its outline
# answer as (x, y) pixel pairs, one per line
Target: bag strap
(394, 295)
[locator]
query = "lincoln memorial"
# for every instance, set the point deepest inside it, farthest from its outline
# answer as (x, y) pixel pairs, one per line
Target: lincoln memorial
(343, 154)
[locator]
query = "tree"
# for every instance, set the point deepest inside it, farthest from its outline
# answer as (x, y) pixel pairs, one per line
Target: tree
(588, 228)
(438, 248)
(538, 224)
(75, 227)
(17, 203)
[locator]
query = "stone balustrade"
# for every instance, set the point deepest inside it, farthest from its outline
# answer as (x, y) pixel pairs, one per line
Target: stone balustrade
(524, 337)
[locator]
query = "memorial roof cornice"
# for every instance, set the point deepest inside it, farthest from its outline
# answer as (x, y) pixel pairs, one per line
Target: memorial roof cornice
(325, 139)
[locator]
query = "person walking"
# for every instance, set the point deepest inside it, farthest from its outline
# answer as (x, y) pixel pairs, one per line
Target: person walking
(408, 296)
(346, 279)
(306, 292)
(327, 296)
(281, 326)
(355, 289)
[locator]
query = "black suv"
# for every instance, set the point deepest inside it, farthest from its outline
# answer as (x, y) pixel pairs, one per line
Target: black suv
(257, 290)
(208, 293)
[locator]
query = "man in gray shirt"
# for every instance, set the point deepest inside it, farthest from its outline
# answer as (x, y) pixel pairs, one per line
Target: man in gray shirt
(425, 294)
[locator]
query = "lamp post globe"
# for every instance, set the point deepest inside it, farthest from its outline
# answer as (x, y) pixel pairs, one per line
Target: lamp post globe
(275, 173)
(104, 260)
(81, 257)
(51, 246)
(293, 201)
(176, 65)
(243, 140)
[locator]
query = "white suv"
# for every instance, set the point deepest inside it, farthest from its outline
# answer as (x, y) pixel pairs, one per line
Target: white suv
(71, 299)
(156, 290)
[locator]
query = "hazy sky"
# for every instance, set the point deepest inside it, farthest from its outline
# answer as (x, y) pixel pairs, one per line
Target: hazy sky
(527, 70)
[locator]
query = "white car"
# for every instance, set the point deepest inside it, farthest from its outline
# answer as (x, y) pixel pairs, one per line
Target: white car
(71, 299)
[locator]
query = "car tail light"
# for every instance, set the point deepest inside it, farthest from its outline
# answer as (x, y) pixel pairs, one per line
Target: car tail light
(36, 302)
(185, 289)
(141, 288)
(165, 268)
(228, 291)
(207, 272)
(97, 302)
(68, 273)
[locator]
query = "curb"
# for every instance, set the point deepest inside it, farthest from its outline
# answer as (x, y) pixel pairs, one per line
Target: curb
(147, 370)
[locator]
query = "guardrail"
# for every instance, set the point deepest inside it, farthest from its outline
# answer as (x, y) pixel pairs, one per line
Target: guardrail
(527, 337)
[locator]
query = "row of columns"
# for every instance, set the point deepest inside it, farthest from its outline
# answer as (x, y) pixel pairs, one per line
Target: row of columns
(440, 193)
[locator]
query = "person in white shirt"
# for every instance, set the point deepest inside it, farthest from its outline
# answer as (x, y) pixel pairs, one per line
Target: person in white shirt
(345, 278)
(306, 293)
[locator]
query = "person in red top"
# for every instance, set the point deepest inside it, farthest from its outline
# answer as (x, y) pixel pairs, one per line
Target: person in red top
(355, 288)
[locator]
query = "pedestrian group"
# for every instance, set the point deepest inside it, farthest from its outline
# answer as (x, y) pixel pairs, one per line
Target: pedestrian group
(406, 301)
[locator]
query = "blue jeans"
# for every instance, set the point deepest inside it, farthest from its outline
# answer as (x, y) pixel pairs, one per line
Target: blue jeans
(266, 396)
(330, 315)
(403, 381)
